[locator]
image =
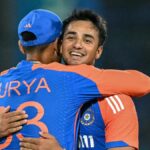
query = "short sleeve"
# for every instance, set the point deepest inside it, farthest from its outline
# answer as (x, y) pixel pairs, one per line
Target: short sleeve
(121, 122)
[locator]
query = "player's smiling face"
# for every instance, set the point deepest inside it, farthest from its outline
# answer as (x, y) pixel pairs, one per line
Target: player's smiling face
(80, 44)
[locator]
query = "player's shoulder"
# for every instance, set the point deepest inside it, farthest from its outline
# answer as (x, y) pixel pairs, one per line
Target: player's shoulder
(61, 67)
(5, 71)
(117, 103)
(83, 70)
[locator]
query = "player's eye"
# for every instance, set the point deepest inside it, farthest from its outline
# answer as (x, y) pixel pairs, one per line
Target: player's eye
(88, 41)
(70, 37)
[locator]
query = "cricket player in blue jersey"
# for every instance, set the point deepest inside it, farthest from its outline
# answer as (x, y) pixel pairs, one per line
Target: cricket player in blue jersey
(111, 122)
(104, 124)
(107, 123)
(52, 94)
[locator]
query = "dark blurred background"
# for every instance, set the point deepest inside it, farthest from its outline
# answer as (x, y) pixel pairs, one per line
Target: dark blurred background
(127, 46)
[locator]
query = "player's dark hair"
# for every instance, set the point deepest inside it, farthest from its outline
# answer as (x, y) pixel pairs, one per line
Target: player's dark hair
(29, 36)
(88, 15)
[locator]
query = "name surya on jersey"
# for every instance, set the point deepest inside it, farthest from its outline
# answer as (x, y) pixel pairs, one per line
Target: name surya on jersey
(13, 86)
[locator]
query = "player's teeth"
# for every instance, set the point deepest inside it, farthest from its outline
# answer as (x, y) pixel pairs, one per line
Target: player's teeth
(77, 54)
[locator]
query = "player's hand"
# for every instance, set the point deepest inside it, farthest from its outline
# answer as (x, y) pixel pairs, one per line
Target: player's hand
(46, 142)
(11, 122)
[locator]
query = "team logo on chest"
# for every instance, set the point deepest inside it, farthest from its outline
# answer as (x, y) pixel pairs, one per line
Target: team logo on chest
(87, 117)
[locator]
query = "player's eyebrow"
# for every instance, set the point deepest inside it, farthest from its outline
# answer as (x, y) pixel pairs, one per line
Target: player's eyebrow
(70, 32)
(89, 36)
(73, 33)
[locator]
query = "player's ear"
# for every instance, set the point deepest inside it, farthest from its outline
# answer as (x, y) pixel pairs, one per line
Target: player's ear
(21, 47)
(55, 46)
(99, 52)
(61, 49)
(55, 43)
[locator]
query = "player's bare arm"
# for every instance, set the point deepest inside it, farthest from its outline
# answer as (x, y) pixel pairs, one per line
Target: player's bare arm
(47, 142)
(11, 122)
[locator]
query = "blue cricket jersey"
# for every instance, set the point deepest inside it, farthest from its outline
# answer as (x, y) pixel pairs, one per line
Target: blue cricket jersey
(108, 123)
(52, 96)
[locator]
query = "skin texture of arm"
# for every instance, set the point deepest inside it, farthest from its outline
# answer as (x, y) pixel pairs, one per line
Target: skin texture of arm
(11, 122)
(47, 142)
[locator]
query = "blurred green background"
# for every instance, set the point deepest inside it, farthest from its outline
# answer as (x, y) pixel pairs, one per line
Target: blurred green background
(127, 46)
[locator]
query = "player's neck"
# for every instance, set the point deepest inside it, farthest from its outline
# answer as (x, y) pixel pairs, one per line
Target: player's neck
(35, 62)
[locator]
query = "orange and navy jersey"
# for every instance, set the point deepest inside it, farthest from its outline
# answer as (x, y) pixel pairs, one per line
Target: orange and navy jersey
(53, 94)
(109, 123)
